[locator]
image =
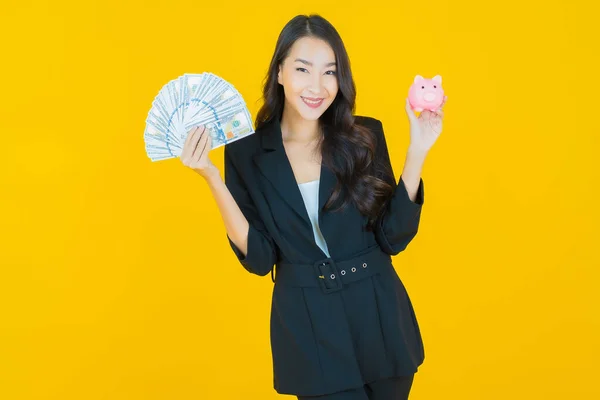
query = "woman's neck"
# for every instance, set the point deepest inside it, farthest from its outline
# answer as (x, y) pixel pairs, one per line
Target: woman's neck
(294, 128)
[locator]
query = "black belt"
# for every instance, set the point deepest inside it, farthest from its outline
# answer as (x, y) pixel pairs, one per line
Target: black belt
(331, 275)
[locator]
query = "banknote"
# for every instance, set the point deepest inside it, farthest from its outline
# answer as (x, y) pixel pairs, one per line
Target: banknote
(230, 129)
(193, 100)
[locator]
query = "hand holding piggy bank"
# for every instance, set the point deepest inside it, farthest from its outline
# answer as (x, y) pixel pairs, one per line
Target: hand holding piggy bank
(426, 94)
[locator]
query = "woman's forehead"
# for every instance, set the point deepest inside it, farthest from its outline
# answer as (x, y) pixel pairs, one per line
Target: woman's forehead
(312, 51)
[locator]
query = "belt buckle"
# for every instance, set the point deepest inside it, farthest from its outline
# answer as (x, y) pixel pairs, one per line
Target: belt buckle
(328, 275)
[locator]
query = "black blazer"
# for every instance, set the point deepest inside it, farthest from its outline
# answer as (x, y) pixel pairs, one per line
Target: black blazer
(261, 180)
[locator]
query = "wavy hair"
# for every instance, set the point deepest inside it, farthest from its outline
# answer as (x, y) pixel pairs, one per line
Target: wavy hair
(349, 148)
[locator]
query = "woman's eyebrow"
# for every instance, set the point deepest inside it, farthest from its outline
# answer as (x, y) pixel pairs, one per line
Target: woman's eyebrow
(309, 63)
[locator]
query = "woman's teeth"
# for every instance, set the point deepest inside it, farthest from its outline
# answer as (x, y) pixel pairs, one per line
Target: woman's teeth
(312, 103)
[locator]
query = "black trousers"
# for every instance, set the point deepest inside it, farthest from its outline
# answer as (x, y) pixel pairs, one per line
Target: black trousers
(396, 388)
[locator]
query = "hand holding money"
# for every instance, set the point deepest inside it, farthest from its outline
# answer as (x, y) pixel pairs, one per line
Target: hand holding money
(195, 151)
(194, 100)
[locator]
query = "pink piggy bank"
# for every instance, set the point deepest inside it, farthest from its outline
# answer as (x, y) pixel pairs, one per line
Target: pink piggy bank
(426, 94)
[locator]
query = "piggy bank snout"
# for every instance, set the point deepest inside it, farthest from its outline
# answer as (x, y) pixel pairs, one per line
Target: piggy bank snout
(429, 96)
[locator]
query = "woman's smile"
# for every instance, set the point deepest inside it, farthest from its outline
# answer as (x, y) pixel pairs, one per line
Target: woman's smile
(312, 102)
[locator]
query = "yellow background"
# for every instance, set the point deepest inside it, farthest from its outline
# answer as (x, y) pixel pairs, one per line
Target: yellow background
(117, 281)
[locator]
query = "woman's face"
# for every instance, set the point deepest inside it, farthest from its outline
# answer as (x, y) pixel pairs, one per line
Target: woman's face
(309, 77)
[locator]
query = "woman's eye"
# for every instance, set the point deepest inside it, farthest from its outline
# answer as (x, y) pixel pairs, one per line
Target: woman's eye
(305, 70)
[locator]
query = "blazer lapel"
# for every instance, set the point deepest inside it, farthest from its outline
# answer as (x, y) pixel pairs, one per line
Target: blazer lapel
(274, 164)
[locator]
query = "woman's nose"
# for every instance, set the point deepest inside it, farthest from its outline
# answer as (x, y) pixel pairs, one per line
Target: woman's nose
(315, 84)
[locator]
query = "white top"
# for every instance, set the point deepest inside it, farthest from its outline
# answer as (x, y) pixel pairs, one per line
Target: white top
(310, 194)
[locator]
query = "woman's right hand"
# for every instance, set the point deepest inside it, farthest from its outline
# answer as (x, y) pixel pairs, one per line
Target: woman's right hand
(195, 151)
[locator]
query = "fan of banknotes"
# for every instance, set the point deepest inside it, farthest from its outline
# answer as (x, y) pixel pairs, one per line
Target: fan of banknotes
(189, 101)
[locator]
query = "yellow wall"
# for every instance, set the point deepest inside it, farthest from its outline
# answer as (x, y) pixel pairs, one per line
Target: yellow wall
(117, 279)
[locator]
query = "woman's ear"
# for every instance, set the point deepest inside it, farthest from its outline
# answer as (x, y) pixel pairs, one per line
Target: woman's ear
(279, 74)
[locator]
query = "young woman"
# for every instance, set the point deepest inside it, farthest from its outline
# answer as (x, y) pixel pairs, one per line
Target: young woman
(312, 195)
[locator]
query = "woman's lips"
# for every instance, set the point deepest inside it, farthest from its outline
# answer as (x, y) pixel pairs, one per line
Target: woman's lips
(312, 102)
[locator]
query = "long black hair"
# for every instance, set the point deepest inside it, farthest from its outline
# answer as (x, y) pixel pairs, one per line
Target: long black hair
(349, 148)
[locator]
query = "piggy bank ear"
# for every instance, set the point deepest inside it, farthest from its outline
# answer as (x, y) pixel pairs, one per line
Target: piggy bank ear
(437, 79)
(418, 78)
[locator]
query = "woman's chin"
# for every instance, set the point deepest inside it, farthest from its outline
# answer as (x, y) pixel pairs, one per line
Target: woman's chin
(311, 114)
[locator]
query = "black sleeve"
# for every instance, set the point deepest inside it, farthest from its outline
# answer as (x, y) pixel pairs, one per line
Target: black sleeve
(398, 222)
(261, 254)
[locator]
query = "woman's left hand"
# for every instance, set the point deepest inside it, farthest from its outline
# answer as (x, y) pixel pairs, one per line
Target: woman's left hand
(425, 129)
